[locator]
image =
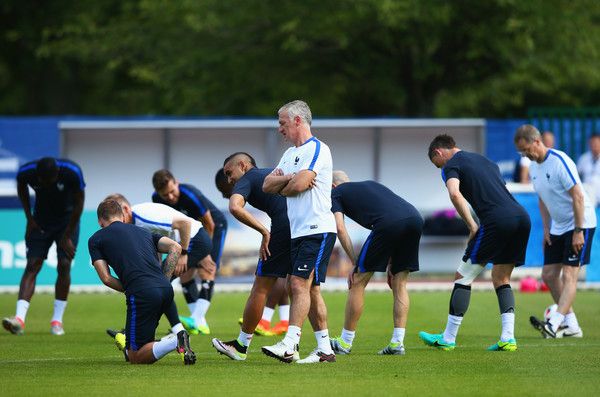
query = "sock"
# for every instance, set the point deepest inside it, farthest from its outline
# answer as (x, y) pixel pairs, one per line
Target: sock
(292, 337)
(452, 327)
(348, 336)
(163, 347)
(191, 307)
(555, 320)
(190, 293)
(206, 292)
(506, 299)
(284, 312)
(323, 344)
(268, 314)
(22, 307)
(508, 326)
(244, 339)
(199, 313)
(398, 336)
(459, 300)
(572, 322)
(177, 328)
(59, 310)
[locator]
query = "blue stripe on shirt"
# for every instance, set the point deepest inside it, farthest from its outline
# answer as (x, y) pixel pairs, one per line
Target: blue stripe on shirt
(565, 164)
(75, 169)
(136, 216)
(316, 155)
(195, 199)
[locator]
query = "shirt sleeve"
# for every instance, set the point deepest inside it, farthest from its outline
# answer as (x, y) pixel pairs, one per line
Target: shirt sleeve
(155, 198)
(567, 174)
(243, 187)
(336, 201)
(196, 197)
(155, 238)
(314, 156)
(450, 171)
(73, 175)
(94, 249)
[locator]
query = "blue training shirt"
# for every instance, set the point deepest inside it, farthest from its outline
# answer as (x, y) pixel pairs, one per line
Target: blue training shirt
(250, 185)
(132, 253)
(369, 203)
(482, 186)
(55, 203)
(193, 204)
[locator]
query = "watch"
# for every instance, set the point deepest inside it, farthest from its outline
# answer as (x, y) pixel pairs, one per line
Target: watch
(184, 251)
(577, 229)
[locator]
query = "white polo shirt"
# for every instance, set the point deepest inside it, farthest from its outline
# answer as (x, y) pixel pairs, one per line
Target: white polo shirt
(310, 211)
(158, 218)
(589, 169)
(552, 180)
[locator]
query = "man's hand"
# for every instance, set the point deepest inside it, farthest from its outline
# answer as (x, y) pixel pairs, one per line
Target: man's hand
(264, 246)
(66, 244)
(208, 265)
(473, 231)
(181, 266)
(277, 172)
(577, 242)
(350, 279)
(31, 226)
(547, 239)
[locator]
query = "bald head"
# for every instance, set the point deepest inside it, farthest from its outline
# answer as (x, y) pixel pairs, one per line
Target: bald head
(339, 177)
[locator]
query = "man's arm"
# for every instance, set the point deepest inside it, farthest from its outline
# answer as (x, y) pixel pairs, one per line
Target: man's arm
(343, 236)
(107, 279)
(65, 243)
(275, 181)
(236, 208)
(299, 183)
(173, 251)
(23, 193)
(461, 205)
(184, 226)
(546, 221)
(579, 212)
(208, 223)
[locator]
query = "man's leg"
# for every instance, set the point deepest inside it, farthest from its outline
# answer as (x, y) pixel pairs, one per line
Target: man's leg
(61, 293)
(16, 324)
(207, 283)
(506, 302)
(570, 275)
(551, 276)
(279, 296)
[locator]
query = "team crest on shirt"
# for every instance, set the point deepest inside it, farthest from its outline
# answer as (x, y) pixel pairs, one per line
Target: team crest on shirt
(60, 186)
(296, 160)
(547, 176)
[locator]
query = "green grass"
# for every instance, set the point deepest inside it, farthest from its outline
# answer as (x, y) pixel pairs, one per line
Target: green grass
(85, 362)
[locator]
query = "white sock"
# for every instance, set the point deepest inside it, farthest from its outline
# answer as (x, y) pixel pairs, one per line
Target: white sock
(571, 321)
(22, 307)
(59, 310)
(177, 328)
(398, 335)
(556, 319)
(268, 314)
(508, 326)
(348, 336)
(244, 339)
(192, 307)
(163, 347)
(284, 312)
(452, 327)
(292, 337)
(323, 344)
(200, 310)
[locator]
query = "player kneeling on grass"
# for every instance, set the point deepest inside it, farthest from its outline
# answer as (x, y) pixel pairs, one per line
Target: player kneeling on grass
(132, 253)
(396, 228)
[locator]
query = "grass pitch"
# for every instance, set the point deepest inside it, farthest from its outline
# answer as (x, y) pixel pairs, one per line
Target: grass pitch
(85, 361)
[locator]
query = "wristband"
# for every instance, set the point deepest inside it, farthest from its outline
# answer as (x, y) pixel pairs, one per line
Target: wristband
(577, 229)
(184, 251)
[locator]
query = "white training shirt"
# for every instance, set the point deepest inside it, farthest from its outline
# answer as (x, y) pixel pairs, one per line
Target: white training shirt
(158, 218)
(589, 169)
(552, 180)
(310, 211)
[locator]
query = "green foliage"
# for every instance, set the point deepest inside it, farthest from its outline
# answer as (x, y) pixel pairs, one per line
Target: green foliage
(345, 57)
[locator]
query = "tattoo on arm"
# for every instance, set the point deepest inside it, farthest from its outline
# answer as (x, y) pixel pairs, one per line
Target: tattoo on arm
(171, 261)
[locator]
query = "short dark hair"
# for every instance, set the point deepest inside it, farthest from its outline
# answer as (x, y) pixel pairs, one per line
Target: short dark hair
(161, 178)
(220, 178)
(248, 157)
(47, 168)
(443, 141)
(109, 209)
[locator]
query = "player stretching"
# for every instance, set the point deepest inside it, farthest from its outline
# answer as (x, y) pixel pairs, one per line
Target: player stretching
(500, 238)
(132, 253)
(59, 196)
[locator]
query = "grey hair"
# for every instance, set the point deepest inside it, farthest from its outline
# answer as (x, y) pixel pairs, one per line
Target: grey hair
(297, 108)
(339, 177)
(527, 132)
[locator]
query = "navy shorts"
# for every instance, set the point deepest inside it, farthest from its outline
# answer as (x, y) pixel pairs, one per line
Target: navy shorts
(200, 246)
(144, 309)
(561, 251)
(310, 253)
(38, 242)
(397, 241)
(279, 264)
(218, 241)
(501, 241)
